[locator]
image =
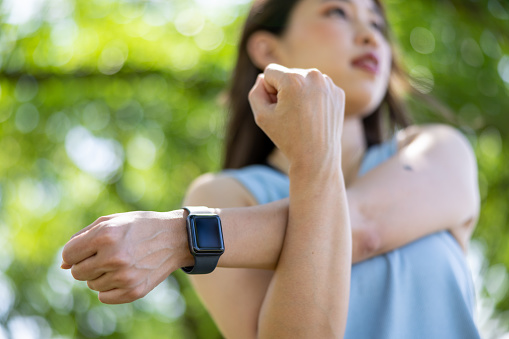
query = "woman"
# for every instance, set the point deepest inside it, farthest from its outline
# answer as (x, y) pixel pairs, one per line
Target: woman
(412, 198)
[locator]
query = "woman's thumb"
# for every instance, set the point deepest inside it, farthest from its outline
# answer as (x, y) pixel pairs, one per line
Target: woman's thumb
(259, 98)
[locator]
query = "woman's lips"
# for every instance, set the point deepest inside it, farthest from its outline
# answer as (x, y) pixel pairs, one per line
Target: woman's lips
(367, 62)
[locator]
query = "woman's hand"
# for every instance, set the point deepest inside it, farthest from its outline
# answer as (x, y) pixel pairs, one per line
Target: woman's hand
(124, 256)
(301, 110)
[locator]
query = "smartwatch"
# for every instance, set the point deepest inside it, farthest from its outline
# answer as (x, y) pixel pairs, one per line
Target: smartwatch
(205, 239)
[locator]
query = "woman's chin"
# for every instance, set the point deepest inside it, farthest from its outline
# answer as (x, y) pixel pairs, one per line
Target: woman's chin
(361, 108)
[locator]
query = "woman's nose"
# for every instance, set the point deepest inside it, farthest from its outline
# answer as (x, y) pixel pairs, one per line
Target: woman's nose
(365, 35)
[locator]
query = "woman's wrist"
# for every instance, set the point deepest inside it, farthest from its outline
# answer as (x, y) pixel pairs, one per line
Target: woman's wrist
(326, 167)
(177, 221)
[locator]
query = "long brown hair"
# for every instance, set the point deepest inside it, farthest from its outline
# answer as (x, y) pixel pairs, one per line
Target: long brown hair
(246, 143)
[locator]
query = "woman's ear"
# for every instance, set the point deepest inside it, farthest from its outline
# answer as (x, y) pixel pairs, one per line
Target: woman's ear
(261, 48)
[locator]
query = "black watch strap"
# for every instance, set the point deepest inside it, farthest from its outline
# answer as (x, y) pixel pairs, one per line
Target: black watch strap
(203, 263)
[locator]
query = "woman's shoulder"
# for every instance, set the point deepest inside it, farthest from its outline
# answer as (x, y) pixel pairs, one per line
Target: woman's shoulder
(435, 130)
(218, 190)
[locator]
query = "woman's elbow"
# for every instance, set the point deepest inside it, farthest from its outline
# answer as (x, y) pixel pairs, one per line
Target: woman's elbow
(366, 243)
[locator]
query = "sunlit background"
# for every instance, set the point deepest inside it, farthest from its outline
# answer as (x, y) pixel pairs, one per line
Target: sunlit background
(109, 106)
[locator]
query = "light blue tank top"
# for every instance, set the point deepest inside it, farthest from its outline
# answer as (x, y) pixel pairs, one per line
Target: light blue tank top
(423, 290)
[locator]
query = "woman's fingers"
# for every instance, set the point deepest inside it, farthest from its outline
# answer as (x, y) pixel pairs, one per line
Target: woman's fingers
(259, 98)
(101, 283)
(271, 91)
(88, 269)
(276, 77)
(122, 295)
(78, 249)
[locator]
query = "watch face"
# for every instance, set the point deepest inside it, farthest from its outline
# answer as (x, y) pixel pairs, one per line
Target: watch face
(206, 234)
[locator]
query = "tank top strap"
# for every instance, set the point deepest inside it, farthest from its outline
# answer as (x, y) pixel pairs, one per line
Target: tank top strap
(377, 154)
(263, 182)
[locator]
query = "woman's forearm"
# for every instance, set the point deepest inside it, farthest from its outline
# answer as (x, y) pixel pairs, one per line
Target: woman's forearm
(254, 235)
(316, 255)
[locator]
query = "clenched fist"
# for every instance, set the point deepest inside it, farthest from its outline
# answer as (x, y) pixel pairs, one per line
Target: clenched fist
(302, 111)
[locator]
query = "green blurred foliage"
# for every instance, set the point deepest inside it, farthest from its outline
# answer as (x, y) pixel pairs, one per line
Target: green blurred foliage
(109, 106)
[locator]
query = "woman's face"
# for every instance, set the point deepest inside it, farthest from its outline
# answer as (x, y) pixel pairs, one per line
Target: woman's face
(343, 39)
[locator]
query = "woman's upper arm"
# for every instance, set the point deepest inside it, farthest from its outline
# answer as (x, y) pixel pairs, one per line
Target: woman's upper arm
(466, 167)
(458, 151)
(428, 186)
(233, 297)
(216, 190)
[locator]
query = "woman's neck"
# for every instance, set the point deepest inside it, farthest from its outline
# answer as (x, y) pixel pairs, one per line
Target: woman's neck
(353, 149)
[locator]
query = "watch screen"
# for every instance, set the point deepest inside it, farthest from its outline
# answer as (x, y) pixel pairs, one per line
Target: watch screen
(207, 233)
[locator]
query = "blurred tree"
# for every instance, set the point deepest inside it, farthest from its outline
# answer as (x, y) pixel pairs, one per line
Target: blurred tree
(111, 106)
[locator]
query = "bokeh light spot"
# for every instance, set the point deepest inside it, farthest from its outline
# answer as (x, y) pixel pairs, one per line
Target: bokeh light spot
(490, 142)
(96, 115)
(101, 320)
(141, 152)
(184, 57)
(158, 13)
(164, 301)
(38, 197)
(112, 58)
(130, 115)
(61, 56)
(189, 22)
(84, 189)
(220, 12)
(21, 11)
(89, 41)
(27, 118)
(471, 53)
(58, 10)
(6, 295)
(100, 157)
(497, 281)
(64, 32)
(489, 45)
(503, 68)
(422, 40)
(22, 327)
(210, 38)
(26, 88)
(448, 35)
(497, 10)
(57, 126)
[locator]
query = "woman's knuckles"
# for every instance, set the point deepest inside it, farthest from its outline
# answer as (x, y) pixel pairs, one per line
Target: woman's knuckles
(78, 274)
(293, 82)
(314, 75)
(95, 286)
(135, 293)
(126, 279)
(119, 260)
